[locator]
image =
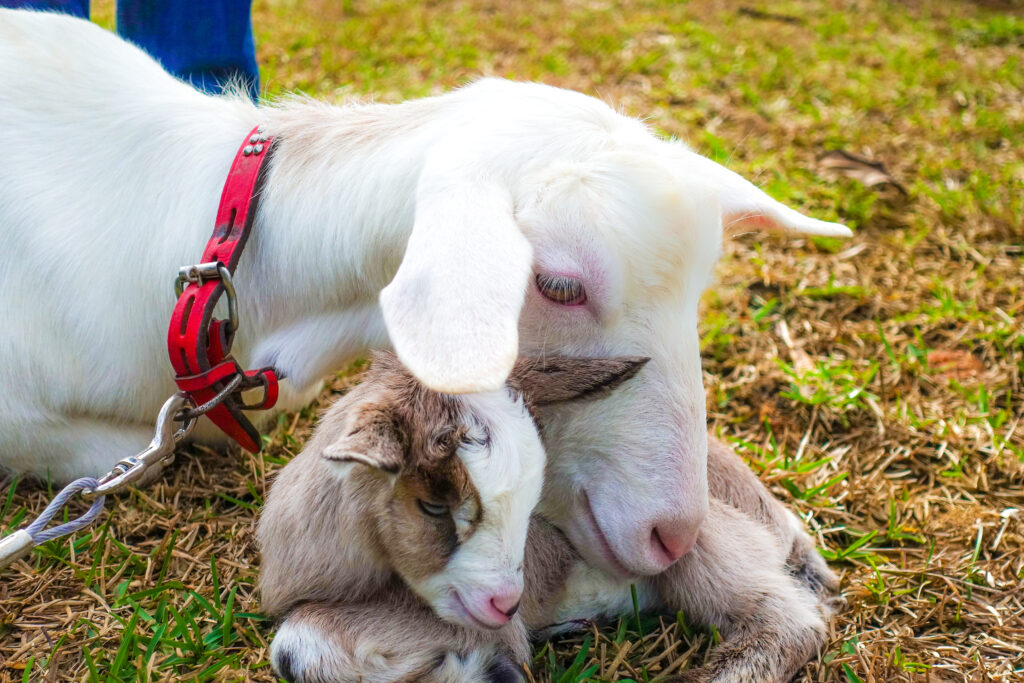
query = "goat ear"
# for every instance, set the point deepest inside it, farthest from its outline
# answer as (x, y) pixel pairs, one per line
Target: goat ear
(745, 206)
(452, 310)
(559, 378)
(370, 438)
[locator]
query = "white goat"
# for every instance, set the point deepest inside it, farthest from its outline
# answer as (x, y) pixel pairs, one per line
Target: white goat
(432, 490)
(332, 547)
(457, 229)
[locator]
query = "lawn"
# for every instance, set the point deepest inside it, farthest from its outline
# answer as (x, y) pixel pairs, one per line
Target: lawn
(876, 385)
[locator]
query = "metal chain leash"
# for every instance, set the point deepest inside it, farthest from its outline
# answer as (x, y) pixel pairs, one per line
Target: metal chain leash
(177, 410)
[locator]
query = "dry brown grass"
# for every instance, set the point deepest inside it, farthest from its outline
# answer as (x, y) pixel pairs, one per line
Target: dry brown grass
(877, 385)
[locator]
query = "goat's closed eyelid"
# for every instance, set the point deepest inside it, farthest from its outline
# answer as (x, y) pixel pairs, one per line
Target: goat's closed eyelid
(433, 509)
(562, 289)
(479, 437)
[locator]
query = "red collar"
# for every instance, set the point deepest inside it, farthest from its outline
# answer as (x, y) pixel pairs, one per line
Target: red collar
(199, 346)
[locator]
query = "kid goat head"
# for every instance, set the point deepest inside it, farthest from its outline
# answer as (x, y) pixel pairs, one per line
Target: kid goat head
(436, 488)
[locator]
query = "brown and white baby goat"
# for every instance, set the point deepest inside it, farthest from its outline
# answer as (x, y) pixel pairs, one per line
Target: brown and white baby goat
(435, 491)
(344, 559)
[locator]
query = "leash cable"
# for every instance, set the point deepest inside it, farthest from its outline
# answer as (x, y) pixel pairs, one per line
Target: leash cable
(127, 472)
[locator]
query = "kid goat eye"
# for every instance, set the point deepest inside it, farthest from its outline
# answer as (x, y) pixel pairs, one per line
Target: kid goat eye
(562, 289)
(477, 436)
(433, 509)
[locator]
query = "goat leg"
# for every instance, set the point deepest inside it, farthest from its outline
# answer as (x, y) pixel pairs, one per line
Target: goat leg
(392, 638)
(735, 579)
(730, 480)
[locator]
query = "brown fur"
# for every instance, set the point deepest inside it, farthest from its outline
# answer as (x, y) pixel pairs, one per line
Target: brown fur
(398, 429)
(549, 559)
(770, 623)
(730, 480)
(422, 544)
(552, 380)
(396, 638)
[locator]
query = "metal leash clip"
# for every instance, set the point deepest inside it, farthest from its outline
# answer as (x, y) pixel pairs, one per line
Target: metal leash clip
(159, 452)
(177, 409)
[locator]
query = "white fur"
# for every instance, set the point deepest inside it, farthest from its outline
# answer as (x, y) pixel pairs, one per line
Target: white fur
(768, 605)
(307, 650)
(111, 178)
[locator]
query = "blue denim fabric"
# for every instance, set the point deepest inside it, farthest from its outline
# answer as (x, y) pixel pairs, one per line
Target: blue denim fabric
(206, 42)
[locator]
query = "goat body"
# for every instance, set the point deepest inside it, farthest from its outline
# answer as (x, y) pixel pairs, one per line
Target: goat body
(449, 228)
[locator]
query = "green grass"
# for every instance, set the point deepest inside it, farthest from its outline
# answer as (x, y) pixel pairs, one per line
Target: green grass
(902, 467)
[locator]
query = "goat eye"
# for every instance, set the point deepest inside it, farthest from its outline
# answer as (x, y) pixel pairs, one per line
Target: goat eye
(433, 509)
(562, 289)
(476, 436)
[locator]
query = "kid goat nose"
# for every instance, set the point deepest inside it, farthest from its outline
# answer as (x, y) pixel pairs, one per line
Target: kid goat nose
(670, 541)
(506, 603)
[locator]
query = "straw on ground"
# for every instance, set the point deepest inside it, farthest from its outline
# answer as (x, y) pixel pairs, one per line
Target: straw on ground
(876, 385)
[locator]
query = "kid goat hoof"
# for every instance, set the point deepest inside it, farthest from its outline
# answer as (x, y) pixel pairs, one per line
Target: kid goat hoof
(504, 670)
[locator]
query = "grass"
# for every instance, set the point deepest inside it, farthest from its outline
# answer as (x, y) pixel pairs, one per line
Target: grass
(876, 385)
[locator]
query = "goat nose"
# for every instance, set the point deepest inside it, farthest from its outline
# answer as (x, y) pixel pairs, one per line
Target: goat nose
(506, 603)
(670, 541)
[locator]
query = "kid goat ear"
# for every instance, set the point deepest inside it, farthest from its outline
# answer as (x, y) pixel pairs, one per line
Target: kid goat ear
(554, 379)
(371, 438)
